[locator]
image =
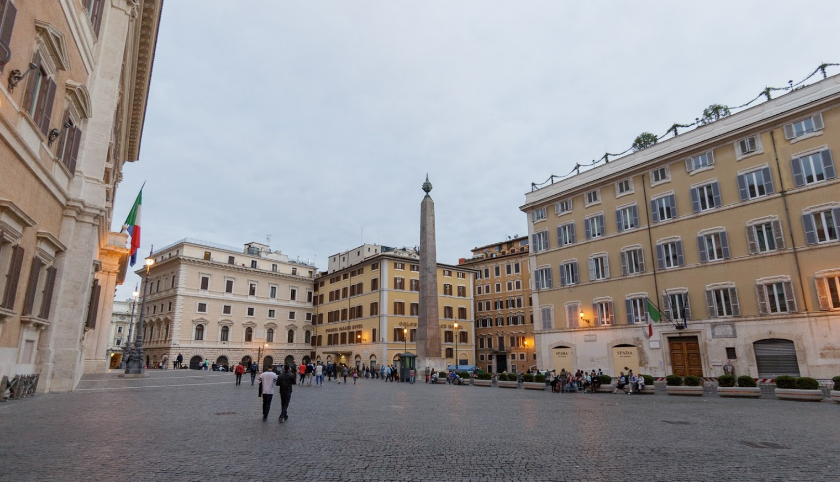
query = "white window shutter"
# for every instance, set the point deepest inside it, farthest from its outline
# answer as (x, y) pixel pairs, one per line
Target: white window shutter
(710, 156)
(818, 122)
(789, 133)
(789, 297)
(733, 297)
(606, 267)
(751, 244)
(761, 294)
(822, 293)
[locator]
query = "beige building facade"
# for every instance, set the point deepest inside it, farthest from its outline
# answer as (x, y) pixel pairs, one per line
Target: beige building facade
(366, 313)
(504, 325)
(732, 226)
(121, 318)
(75, 77)
(214, 303)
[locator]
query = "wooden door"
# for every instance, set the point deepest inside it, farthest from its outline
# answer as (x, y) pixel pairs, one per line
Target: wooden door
(685, 356)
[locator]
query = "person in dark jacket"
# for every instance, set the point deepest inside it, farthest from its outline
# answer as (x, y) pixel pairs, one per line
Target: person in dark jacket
(285, 383)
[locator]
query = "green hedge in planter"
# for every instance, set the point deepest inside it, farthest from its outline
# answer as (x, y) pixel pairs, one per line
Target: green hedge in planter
(511, 377)
(463, 374)
(673, 380)
(836, 381)
(648, 380)
(785, 381)
(692, 381)
(540, 378)
(807, 383)
(484, 376)
(726, 381)
(606, 379)
(746, 381)
(528, 377)
(441, 374)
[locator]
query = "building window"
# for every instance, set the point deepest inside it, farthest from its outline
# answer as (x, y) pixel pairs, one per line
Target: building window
(250, 311)
(225, 334)
(573, 314)
(497, 271)
(568, 273)
(538, 214)
(414, 309)
(293, 294)
(821, 226)
(659, 175)
(274, 267)
(623, 187)
(202, 308)
(374, 284)
(399, 334)
(594, 226)
(706, 197)
(254, 263)
(812, 168)
(755, 184)
(722, 302)
(478, 289)
(399, 266)
(603, 312)
(804, 127)
(462, 291)
(399, 308)
(706, 159)
(565, 235)
(828, 290)
(269, 335)
(675, 304)
(374, 308)
(775, 297)
(231, 260)
(636, 310)
(290, 337)
(540, 243)
(542, 278)
(462, 313)
(252, 289)
(447, 289)
(748, 145)
(199, 332)
(292, 315)
(713, 246)
(627, 217)
(599, 267)
(229, 286)
(765, 237)
(447, 312)
(399, 283)
(663, 208)
(563, 207)
(40, 94)
(449, 353)
(205, 283)
(593, 197)
(272, 292)
(272, 313)
(517, 284)
(545, 318)
(498, 287)
(632, 261)
(669, 254)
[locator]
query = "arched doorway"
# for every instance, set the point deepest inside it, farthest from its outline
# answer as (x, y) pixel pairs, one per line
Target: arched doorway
(222, 361)
(373, 362)
(147, 361)
(306, 360)
(774, 357)
(246, 361)
(358, 362)
(625, 357)
(268, 361)
(289, 360)
(195, 362)
(463, 361)
(562, 358)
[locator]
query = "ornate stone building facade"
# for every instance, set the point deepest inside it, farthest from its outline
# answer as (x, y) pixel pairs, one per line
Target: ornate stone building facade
(504, 316)
(212, 302)
(732, 230)
(75, 78)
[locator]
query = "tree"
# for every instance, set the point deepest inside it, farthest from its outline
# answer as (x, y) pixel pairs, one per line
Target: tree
(643, 141)
(714, 112)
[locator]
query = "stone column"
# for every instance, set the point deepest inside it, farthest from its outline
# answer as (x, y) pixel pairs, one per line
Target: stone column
(113, 257)
(428, 323)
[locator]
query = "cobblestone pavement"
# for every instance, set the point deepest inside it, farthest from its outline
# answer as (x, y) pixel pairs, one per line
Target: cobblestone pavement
(198, 426)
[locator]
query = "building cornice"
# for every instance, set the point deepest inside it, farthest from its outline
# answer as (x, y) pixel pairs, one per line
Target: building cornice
(228, 267)
(145, 43)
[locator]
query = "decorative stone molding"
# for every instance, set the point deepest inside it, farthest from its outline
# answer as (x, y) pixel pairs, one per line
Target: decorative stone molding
(79, 98)
(54, 41)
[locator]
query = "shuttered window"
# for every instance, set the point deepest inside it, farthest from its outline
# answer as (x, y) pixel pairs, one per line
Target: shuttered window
(594, 226)
(713, 246)
(755, 184)
(676, 305)
(821, 226)
(632, 262)
(813, 168)
(700, 161)
(828, 291)
(636, 310)
(32, 288)
(8, 12)
(722, 302)
(39, 95)
(603, 311)
(93, 305)
(545, 318)
(669, 254)
(569, 273)
(775, 297)
(542, 278)
(705, 197)
(12, 277)
(627, 218)
(663, 208)
(565, 235)
(765, 237)
(804, 126)
(599, 268)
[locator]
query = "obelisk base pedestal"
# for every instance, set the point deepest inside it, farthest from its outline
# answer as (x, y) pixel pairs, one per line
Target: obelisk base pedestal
(436, 364)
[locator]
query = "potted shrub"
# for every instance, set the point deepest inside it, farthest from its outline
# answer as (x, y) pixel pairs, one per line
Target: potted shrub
(835, 393)
(677, 385)
(441, 378)
(745, 387)
(508, 380)
(803, 389)
(464, 376)
(649, 389)
(483, 379)
(532, 382)
(606, 385)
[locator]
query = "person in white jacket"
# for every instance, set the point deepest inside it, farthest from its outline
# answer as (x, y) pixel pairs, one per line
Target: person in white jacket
(267, 382)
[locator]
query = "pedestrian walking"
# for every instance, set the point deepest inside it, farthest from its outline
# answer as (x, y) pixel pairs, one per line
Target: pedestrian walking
(267, 381)
(411, 376)
(239, 371)
(344, 373)
(302, 371)
(319, 374)
(355, 375)
(253, 369)
(310, 368)
(180, 360)
(285, 383)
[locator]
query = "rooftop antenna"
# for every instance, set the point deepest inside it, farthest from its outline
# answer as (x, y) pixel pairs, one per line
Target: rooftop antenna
(362, 236)
(268, 240)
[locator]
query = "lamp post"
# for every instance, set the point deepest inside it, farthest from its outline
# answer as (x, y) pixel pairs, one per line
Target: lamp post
(456, 347)
(405, 340)
(135, 359)
(259, 353)
(127, 344)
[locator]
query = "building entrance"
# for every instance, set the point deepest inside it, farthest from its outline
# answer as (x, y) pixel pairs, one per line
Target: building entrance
(685, 356)
(501, 363)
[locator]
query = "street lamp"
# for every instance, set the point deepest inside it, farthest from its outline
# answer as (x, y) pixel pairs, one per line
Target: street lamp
(405, 340)
(135, 359)
(456, 347)
(588, 322)
(259, 352)
(127, 344)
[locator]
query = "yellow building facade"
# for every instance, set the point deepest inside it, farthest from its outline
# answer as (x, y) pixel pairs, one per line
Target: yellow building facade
(366, 313)
(731, 230)
(503, 307)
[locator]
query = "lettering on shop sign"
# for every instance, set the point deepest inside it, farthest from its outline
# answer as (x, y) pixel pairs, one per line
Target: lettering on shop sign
(562, 353)
(344, 328)
(406, 324)
(624, 353)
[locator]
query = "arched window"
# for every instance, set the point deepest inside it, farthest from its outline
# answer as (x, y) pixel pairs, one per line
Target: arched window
(307, 337)
(199, 332)
(249, 334)
(291, 336)
(225, 333)
(269, 335)
(151, 333)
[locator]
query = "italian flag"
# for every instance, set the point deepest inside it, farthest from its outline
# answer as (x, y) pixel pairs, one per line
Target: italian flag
(132, 225)
(653, 315)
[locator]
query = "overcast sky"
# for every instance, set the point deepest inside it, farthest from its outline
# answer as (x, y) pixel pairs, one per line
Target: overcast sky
(311, 121)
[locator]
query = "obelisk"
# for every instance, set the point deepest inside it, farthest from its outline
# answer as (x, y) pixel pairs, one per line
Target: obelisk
(428, 323)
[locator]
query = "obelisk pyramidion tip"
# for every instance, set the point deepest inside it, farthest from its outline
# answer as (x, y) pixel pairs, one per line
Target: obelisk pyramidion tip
(427, 186)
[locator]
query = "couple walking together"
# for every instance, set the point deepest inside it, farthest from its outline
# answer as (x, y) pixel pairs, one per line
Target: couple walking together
(285, 381)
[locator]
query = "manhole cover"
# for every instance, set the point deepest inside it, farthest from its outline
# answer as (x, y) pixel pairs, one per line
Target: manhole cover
(763, 445)
(677, 422)
(225, 413)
